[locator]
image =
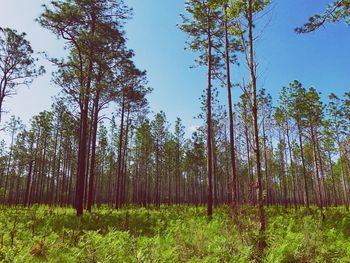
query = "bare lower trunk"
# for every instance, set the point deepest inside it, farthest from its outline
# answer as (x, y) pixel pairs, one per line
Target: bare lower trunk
(209, 124)
(119, 168)
(306, 192)
(93, 154)
(230, 113)
(252, 68)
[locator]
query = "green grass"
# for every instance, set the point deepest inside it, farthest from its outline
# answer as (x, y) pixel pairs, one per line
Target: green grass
(171, 234)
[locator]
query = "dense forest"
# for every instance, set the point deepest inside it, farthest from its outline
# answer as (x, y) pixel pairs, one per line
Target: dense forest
(288, 153)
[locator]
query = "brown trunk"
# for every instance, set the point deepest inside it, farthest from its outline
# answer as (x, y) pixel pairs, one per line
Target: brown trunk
(333, 179)
(124, 161)
(214, 159)
(252, 68)
(307, 202)
(26, 200)
(209, 122)
(93, 152)
(291, 165)
(345, 189)
(230, 113)
(316, 168)
(88, 157)
(8, 165)
(322, 174)
(178, 173)
(251, 191)
(120, 146)
(54, 161)
(283, 169)
(81, 173)
(267, 187)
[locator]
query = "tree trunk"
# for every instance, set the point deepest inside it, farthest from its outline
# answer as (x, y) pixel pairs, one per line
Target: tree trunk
(26, 200)
(81, 173)
(230, 114)
(120, 146)
(93, 153)
(316, 168)
(252, 69)
(209, 122)
(291, 164)
(307, 202)
(8, 165)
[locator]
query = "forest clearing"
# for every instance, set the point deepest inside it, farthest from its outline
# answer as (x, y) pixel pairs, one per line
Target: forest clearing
(96, 164)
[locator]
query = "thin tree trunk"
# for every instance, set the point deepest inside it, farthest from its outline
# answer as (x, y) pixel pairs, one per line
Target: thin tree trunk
(26, 200)
(8, 165)
(209, 121)
(291, 164)
(304, 168)
(252, 68)
(316, 168)
(230, 113)
(119, 168)
(93, 152)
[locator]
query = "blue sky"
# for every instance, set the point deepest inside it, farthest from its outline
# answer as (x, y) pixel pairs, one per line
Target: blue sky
(319, 59)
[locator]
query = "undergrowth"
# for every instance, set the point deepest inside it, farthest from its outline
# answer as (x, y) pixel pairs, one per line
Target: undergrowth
(172, 234)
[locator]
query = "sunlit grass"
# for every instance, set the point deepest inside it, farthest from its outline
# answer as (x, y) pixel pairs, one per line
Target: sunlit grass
(171, 234)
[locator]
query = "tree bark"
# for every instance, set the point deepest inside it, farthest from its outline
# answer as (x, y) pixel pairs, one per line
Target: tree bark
(90, 198)
(306, 192)
(81, 173)
(230, 113)
(252, 68)
(209, 121)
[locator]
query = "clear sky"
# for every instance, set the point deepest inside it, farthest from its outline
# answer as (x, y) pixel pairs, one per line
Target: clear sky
(319, 59)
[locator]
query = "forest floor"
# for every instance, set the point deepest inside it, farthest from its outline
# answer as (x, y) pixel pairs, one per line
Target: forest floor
(171, 234)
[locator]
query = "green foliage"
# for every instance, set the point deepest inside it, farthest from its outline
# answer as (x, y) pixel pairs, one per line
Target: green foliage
(304, 237)
(335, 12)
(17, 63)
(171, 234)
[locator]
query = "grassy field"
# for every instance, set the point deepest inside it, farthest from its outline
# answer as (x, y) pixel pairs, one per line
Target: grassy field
(171, 234)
